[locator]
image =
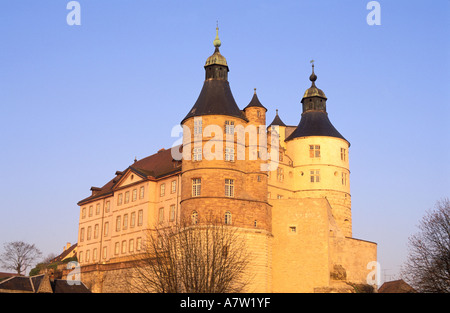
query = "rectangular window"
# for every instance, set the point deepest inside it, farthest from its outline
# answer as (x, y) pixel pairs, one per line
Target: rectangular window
(134, 198)
(119, 199)
(279, 197)
(197, 126)
(161, 215)
(118, 220)
(90, 210)
(344, 179)
(141, 193)
(125, 221)
(127, 197)
(140, 217)
(315, 176)
(124, 246)
(94, 254)
(97, 210)
(314, 151)
(138, 243)
(105, 252)
(106, 230)
(131, 245)
(172, 213)
(107, 206)
(116, 248)
(83, 212)
(162, 190)
(280, 174)
(88, 252)
(132, 219)
(196, 187)
(229, 187)
(82, 235)
(229, 154)
(89, 233)
(173, 185)
(229, 127)
(96, 228)
(197, 154)
(343, 157)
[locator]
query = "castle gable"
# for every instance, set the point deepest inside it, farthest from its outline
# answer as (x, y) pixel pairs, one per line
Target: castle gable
(130, 176)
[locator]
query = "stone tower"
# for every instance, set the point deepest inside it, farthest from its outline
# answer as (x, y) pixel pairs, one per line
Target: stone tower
(221, 168)
(321, 166)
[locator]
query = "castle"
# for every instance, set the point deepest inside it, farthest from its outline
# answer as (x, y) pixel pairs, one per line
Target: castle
(293, 202)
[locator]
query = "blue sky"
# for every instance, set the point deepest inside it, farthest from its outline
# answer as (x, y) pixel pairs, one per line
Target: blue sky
(78, 103)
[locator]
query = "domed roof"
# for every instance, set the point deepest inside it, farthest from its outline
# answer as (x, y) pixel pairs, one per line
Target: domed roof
(313, 91)
(216, 58)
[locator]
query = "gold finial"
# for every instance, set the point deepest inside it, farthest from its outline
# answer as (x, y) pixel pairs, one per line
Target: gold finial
(216, 41)
(254, 90)
(277, 111)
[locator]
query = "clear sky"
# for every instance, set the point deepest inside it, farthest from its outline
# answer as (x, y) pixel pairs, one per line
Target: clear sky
(78, 103)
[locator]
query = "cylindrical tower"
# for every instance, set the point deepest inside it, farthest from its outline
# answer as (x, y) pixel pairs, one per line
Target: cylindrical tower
(221, 172)
(320, 158)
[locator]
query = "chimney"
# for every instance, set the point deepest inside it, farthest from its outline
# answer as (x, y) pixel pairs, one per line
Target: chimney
(67, 246)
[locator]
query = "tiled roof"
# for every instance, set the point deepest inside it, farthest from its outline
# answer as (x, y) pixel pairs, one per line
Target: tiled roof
(20, 283)
(31, 285)
(63, 255)
(152, 167)
(396, 286)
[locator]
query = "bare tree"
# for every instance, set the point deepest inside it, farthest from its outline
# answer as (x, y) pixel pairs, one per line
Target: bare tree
(428, 265)
(19, 255)
(205, 257)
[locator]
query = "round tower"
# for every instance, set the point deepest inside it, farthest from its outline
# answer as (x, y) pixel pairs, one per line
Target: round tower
(320, 157)
(221, 172)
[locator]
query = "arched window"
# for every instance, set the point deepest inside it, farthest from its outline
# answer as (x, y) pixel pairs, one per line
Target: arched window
(194, 217)
(228, 218)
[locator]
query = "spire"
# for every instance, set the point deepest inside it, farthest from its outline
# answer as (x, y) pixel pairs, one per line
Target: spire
(217, 43)
(313, 76)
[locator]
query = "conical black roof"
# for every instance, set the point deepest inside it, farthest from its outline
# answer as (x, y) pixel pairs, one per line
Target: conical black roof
(255, 102)
(277, 121)
(215, 99)
(315, 123)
